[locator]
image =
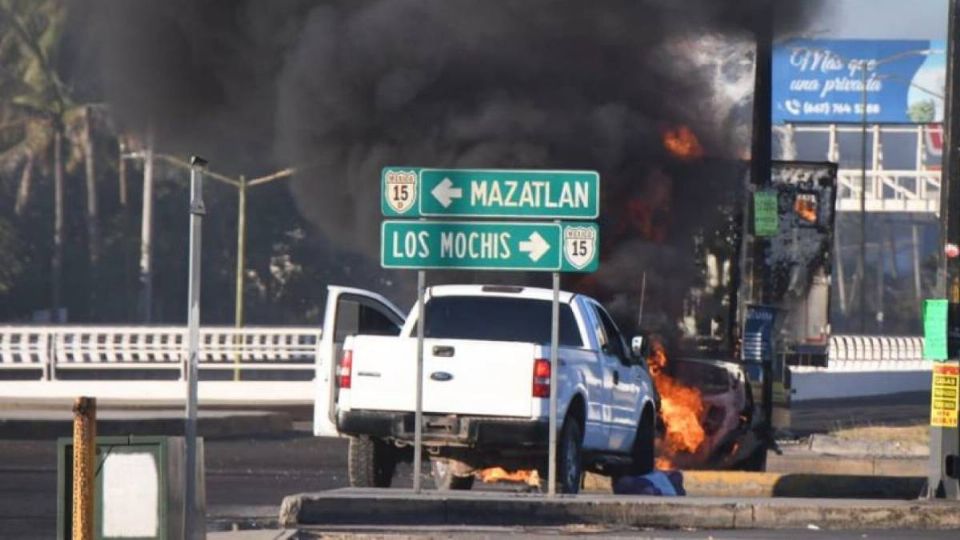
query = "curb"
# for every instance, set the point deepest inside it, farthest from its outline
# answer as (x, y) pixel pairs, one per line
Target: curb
(772, 484)
(402, 507)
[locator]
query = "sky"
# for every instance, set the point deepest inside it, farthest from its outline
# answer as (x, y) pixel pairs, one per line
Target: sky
(882, 19)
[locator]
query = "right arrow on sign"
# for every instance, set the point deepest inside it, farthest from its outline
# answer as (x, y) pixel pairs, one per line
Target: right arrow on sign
(535, 246)
(445, 192)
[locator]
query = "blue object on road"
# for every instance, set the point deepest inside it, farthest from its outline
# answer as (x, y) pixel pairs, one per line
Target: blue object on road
(665, 483)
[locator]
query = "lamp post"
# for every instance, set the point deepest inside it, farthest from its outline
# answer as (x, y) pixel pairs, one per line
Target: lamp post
(864, 66)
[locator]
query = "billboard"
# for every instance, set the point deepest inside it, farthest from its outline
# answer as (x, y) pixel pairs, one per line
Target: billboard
(823, 81)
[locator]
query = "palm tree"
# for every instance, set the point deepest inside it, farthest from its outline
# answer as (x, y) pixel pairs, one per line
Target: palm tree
(39, 116)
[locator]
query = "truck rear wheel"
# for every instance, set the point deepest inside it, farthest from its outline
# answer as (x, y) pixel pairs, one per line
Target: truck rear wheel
(643, 445)
(370, 462)
(569, 460)
(444, 478)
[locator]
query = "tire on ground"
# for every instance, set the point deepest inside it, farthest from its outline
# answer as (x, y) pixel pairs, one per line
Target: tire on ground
(569, 459)
(370, 462)
(644, 444)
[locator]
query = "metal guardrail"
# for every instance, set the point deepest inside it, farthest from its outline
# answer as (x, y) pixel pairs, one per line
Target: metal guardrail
(889, 191)
(875, 353)
(55, 348)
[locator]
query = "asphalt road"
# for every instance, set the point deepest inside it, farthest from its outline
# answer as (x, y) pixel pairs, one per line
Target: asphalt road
(547, 533)
(248, 477)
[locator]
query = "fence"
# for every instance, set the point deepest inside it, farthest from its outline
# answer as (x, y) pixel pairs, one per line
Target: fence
(50, 349)
(913, 187)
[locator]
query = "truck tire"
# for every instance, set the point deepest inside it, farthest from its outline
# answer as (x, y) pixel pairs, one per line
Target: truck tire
(644, 444)
(569, 459)
(444, 478)
(370, 462)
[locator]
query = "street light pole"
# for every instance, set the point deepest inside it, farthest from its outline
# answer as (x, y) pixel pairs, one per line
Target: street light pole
(197, 211)
(862, 260)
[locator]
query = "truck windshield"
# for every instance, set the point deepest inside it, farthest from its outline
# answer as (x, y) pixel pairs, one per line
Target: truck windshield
(494, 318)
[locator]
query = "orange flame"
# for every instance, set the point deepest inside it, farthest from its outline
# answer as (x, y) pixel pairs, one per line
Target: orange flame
(806, 208)
(681, 408)
(499, 474)
(682, 143)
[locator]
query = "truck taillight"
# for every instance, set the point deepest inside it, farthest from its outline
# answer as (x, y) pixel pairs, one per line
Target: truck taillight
(541, 378)
(346, 366)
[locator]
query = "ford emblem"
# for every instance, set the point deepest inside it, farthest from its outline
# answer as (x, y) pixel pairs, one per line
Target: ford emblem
(441, 376)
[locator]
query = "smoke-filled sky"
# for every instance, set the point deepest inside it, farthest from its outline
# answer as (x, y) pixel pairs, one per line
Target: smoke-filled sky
(340, 89)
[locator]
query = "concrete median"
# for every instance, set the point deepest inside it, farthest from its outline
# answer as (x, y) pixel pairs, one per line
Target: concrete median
(402, 507)
(773, 484)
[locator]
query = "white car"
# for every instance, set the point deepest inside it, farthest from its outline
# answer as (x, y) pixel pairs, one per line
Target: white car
(486, 385)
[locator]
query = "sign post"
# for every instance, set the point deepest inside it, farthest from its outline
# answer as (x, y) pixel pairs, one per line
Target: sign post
(538, 246)
(418, 415)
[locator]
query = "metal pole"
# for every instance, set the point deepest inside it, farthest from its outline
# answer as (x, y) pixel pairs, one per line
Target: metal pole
(241, 262)
(643, 294)
(862, 261)
(915, 249)
(418, 415)
(84, 465)
(945, 441)
(841, 286)
(146, 238)
(193, 324)
(554, 346)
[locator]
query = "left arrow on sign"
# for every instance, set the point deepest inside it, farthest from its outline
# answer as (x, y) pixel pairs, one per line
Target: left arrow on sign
(445, 192)
(535, 246)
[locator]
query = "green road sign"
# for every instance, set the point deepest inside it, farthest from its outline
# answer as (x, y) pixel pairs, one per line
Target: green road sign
(490, 245)
(493, 193)
(766, 218)
(935, 329)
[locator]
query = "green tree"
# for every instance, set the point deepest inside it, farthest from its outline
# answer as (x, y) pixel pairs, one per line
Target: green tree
(922, 111)
(38, 117)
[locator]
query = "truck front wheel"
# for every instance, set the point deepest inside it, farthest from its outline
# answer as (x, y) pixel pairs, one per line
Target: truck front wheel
(370, 462)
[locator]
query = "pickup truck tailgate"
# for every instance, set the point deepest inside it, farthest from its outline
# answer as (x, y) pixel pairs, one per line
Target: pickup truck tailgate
(459, 376)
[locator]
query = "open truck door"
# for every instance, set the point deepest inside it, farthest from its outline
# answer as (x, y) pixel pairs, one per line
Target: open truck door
(348, 312)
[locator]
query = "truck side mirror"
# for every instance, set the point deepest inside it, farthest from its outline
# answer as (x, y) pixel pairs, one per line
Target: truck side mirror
(638, 345)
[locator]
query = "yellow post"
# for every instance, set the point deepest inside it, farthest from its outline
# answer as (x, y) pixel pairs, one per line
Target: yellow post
(84, 465)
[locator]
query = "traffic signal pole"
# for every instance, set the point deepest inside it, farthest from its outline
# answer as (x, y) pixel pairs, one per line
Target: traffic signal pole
(942, 480)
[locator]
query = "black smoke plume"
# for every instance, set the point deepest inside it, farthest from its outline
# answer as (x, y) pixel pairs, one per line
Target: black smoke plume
(340, 89)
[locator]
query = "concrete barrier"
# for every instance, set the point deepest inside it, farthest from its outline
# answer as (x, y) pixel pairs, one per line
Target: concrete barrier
(772, 484)
(403, 507)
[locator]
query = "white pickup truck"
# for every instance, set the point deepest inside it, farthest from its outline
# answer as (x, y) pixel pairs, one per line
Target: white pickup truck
(486, 385)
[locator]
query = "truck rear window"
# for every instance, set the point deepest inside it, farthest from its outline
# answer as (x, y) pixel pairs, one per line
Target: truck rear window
(496, 318)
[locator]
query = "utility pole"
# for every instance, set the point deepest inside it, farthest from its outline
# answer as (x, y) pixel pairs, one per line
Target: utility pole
(942, 479)
(753, 283)
(241, 262)
(146, 236)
